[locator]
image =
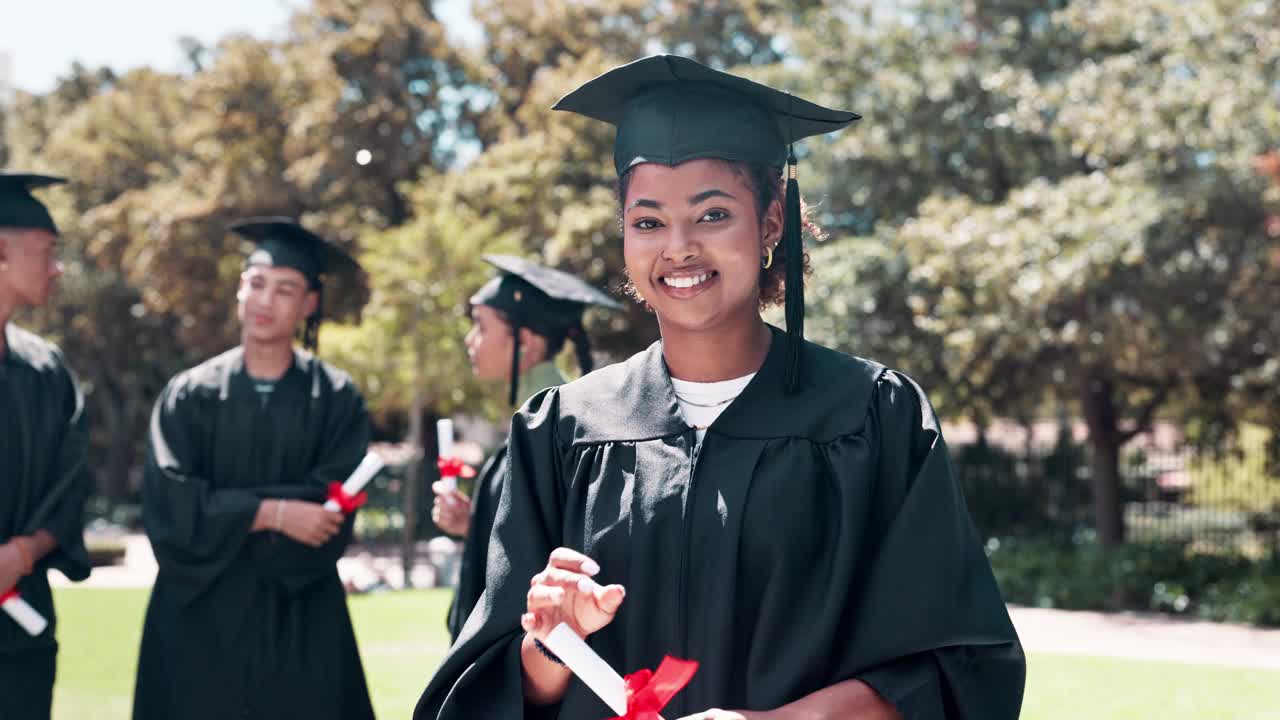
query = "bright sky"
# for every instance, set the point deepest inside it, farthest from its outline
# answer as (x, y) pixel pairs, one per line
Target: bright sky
(42, 37)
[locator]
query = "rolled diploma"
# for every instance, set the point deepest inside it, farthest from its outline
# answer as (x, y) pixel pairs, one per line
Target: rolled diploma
(365, 472)
(590, 668)
(25, 615)
(444, 441)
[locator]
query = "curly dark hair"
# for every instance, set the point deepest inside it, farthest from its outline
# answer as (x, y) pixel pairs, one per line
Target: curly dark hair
(768, 186)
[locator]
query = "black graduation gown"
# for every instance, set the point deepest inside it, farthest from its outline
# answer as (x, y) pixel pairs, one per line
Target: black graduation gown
(44, 482)
(484, 509)
(244, 624)
(813, 538)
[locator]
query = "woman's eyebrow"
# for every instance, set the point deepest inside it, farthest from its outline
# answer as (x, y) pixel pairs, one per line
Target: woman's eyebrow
(645, 203)
(708, 194)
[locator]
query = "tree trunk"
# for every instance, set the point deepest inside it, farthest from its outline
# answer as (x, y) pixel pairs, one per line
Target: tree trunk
(113, 477)
(115, 483)
(413, 482)
(1104, 459)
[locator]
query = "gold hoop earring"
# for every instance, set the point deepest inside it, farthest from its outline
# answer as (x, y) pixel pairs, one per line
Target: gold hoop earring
(768, 258)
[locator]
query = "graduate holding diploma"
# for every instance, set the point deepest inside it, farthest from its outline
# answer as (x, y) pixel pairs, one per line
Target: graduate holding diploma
(248, 618)
(44, 479)
(783, 514)
(520, 320)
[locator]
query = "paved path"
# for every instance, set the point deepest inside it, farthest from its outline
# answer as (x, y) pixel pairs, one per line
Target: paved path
(1146, 636)
(1121, 635)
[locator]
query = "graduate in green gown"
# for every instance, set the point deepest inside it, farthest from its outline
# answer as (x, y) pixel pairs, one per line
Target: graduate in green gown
(44, 478)
(248, 618)
(784, 514)
(519, 322)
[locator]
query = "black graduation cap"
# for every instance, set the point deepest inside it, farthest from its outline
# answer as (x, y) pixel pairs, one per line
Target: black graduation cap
(282, 242)
(547, 301)
(670, 109)
(19, 208)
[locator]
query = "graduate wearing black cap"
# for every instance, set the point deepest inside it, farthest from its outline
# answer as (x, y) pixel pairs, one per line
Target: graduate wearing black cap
(520, 319)
(248, 618)
(44, 478)
(782, 513)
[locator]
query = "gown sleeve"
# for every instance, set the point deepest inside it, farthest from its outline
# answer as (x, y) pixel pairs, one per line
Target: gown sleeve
(345, 440)
(482, 675)
(475, 550)
(61, 510)
(932, 635)
(196, 530)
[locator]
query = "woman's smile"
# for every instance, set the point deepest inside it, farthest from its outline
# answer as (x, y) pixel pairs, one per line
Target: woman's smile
(683, 285)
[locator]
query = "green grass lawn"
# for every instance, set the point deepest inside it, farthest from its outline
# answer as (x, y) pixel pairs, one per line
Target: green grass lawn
(402, 639)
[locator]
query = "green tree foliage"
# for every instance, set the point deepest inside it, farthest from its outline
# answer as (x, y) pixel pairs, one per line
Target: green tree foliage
(543, 184)
(1061, 202)
(1055, 203)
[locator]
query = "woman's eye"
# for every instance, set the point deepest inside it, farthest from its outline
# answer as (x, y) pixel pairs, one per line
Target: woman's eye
(646, 224)
(713, 216)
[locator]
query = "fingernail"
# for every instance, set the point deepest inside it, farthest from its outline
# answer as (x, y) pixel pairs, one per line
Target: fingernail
(584, 585)
(590, 567)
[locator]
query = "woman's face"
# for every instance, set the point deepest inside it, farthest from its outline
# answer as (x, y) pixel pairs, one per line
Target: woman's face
(693, 243)
(489, 344)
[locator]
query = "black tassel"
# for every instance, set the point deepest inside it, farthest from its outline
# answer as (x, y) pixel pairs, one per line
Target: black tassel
(311, 329)
(793, 247)
(582, 348)
(515, 366)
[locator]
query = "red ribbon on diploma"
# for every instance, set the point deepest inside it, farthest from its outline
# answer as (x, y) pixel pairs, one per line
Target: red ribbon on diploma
(648, 692)
(454, 467)
(347, 503)
(7, 594)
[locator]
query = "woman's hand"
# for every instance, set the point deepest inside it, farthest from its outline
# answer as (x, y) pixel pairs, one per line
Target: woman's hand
(565, 592)
(562, 593)
(452, 510)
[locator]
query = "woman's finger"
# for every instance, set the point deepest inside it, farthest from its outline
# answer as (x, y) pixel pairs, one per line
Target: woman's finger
(567, 559)
(529, 622)
(609, 597)
(561, 578)
(541, 597)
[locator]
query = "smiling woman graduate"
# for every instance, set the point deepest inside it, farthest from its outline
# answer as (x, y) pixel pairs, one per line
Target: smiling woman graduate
(783, 514)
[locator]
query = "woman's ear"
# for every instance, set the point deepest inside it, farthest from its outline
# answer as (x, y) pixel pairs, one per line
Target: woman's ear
(771, 226)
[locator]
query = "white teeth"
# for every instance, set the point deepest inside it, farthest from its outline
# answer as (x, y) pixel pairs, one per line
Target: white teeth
(687, 281)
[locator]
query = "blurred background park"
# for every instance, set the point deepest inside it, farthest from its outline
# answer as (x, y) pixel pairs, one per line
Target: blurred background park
(1061, 217)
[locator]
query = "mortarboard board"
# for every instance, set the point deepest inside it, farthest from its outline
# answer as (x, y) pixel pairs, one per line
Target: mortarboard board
(670, 109)
(19, 208)
(548, 302)
(282, 242)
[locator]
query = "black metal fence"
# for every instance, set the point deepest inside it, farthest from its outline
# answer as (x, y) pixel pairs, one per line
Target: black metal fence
(1034, 482)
